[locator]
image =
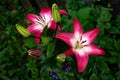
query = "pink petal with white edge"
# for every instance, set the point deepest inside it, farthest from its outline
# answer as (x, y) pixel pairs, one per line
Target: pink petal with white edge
(35, 28)
(63, 12)
(77, 27)
(53, 25)
(46, 14)
(69, 52)
(90, 36)
(82, 61)
(32, 18)
(93, 50)
(64, 36)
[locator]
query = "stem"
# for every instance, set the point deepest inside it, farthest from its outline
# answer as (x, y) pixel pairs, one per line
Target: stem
(34, 36)
(55, 31)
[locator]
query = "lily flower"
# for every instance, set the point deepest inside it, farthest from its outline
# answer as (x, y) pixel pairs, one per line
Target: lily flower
(39, 22)
(81, 44)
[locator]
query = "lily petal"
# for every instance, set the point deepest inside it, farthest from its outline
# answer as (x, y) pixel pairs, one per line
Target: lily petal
(37, 37)
(52, 25)
(82, 61)
(32, 18)
(65, 37)
(69, 52)
(46, 14)
(77, 27)
(90, 36)
(93, 50)
(63, 12)
(34, 28)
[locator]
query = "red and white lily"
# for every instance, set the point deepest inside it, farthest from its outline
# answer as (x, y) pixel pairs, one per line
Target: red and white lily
(39, 22)
(81, 44)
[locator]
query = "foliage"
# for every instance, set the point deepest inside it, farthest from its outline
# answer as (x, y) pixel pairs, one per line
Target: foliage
(15, 64)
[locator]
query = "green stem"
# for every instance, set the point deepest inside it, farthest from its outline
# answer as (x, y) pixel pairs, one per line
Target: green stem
(55, 31)
(34, 36)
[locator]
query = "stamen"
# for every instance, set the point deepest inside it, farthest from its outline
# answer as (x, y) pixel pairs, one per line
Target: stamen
(78, 45)
(37, 18)
(83, 41)
(40, 23)
(44, 18)
(80, 38)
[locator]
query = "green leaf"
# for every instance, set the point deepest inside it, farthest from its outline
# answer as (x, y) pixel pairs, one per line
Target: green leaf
(44, 31)
(114, 53)
(118, 20)
(30, 43)
(83, 13)
(113, 30)
(93, 77)
(73, 13)
(106, 42)
(117, 75)
(116, 44)
(107, 25)
(112, 60)
(45, 40)
(50, 49)
(105, 14)
(101, 64)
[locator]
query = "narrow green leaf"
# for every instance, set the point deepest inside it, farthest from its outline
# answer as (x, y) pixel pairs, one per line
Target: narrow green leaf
(116, 44)
(93, 77)
(112, 60)
(50, 49)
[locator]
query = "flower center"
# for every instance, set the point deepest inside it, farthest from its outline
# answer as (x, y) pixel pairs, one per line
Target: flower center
(79, 44)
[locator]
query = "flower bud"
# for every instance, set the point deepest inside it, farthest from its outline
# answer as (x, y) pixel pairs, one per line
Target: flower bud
(24, 32)
(45, 40)
(35, 53)
(61, 58)
(56, 13)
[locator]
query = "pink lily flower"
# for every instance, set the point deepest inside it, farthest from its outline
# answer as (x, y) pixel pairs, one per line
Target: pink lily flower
(39, 22)
(81, 44)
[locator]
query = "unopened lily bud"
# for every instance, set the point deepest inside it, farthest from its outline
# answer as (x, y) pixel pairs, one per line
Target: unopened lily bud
(24, 32)
(45, 40)
(61, 58)
(56, 13)
(35, 53)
